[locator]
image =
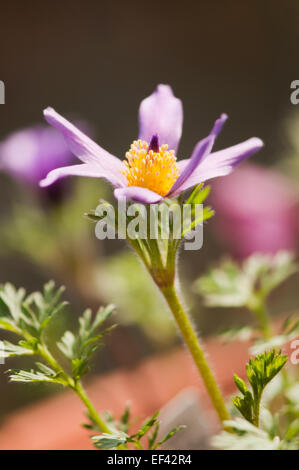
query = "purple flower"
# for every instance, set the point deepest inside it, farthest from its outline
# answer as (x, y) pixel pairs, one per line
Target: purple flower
(29, 154)
(151, 171)
(257, 211)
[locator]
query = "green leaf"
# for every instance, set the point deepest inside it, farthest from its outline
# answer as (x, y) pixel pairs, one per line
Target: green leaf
(241, 384)
(29, 315)
(226, 286)
(109, 441)
(245, 406)
(153, 437)
(169, 435)
(43, 373)
(67, 344)
(8, 349)
(234, 285)
(263, 368)
(11, 304)
(9, 325)
(79, 348)
(199, 194)
(146, 426)
(260, 371)
(120, 433)
(43, 306)
(196, 191)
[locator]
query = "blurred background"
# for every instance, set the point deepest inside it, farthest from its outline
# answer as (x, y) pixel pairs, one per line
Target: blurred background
(94, 61)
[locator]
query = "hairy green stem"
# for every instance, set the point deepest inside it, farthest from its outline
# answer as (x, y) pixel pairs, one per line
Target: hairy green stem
(196, 351)
(164, 278)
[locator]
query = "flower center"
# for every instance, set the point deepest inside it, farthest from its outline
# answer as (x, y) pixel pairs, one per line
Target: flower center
(151, 166)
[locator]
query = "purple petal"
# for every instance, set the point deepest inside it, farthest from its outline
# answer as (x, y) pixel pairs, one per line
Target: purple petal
(161, 113)
(84, 169)
(218, 125)
(202, 149)
(220, 163)
(137, 193)
(200, 152)
(182, 164)
(85, 148)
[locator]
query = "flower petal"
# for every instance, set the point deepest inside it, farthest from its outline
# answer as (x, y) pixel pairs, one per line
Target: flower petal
(82, 146)
(182, 164)
(161, 113)
(220, 163)
(202, 149)
(200, 152)
(84, 169)
(218, 125)
(137, 193)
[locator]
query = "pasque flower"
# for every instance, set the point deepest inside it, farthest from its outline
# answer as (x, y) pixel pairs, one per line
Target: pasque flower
(30, 153)
(151, 170)
(150, 173)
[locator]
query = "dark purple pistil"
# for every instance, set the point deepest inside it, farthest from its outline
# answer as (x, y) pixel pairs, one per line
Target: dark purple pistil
(154, 144)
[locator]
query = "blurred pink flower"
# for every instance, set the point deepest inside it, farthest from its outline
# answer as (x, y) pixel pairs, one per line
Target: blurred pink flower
(29, 154)
(256, 211)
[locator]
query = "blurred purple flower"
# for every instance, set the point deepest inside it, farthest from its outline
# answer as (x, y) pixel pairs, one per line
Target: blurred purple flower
(29, 154)
(151, 171)
(257, 211)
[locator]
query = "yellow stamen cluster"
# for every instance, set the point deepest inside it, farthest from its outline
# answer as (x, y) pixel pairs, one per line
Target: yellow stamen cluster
(156, 171)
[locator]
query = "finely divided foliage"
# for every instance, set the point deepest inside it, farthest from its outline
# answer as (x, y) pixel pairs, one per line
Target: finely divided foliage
(234, 285)
(263, 426)
(260, 371)
(28, 317)
(80, 347)
(121, 435)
